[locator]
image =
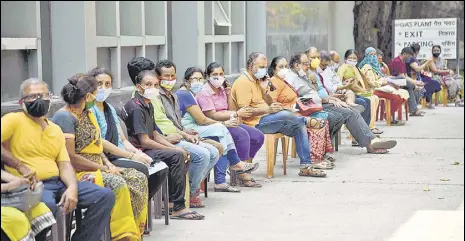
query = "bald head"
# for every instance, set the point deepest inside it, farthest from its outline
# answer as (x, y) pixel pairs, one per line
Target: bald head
(334, 56)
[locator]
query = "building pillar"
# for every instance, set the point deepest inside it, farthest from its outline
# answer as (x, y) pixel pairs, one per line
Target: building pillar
(342, 35)
(255, 27)
(188, 31)
(73, 30)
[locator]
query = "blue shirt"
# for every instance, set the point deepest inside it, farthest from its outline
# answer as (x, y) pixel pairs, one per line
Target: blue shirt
(321, 90)
(186, 100)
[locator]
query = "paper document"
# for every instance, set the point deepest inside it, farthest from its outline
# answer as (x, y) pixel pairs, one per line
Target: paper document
(399, 81)
(154, 168)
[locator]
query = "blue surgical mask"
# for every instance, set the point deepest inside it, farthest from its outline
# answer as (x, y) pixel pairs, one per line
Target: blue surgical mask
(260, 73)
(196, 87)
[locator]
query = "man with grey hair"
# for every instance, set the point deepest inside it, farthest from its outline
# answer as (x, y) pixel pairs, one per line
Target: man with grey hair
(251, 90)
(37, 151)
(335, 58)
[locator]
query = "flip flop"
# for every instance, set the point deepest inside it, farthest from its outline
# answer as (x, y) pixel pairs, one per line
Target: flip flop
(377, 131)
(227, 188)
(183, 216)
(249, 168)
(379, 151)
(329, 158)
(384, 144)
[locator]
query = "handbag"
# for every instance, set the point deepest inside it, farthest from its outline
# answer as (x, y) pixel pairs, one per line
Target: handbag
(307, 106)
(22, 197)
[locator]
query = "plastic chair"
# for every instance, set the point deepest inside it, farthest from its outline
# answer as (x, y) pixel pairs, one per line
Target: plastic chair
(271, 142)
(384, 111)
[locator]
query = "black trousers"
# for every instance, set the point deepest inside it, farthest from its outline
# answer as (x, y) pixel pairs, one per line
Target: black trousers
(155, 180)
(176, 176)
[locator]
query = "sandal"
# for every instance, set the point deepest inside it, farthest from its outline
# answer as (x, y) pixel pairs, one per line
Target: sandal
(355, 143)
(317, 124)
(195, 202)
(311, 172)
(330, 158)
(377, 131)
(185, 216)
(323, 166)
(227, 188)
(249, 168)
(378, 151)
(397, 123)
(417, 113)
(384, 144)
(247, 182)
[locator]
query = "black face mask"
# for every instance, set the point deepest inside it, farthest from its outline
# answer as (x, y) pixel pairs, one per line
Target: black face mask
(436, 54)
(37, 108)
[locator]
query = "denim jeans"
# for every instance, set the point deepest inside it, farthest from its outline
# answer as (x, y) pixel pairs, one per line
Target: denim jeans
(365, 102)
(413, 98)
(203, 157)
(289, 124)
(97, 200)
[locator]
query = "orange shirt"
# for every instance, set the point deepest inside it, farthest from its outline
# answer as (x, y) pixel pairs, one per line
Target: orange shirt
(246, 92)
(283, 93)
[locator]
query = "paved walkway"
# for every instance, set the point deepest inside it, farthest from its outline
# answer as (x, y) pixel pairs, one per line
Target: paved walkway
(365, 198)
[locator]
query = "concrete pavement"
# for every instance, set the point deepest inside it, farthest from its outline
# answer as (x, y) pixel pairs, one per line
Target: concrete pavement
(365, 198)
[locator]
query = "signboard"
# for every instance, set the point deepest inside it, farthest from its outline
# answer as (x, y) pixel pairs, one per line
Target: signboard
(426, 33)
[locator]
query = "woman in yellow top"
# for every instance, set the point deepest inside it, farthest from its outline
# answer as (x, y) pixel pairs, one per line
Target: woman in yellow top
(19, 226)
(85, 148)
(349, 72)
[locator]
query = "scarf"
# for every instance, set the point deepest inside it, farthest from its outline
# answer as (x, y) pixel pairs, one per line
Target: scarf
(372, 60)
(112, 130)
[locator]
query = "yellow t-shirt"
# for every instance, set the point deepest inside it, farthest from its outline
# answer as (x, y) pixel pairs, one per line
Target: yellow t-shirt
(38, 149)
(162, 121)
(247, 92)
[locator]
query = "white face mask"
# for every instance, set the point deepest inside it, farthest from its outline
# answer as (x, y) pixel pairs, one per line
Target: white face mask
(196, 87)
(151, 93)
(216, 81)
(102, 94)
(302, 72)
(282, 73)
(351, 62)
(260, 73)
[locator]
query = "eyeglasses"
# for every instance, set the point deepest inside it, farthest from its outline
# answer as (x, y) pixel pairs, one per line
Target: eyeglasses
(33, 97)
(306, 63)
(197, 79)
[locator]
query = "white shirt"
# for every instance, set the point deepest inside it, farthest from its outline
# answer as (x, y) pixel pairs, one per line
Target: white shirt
(331, 80)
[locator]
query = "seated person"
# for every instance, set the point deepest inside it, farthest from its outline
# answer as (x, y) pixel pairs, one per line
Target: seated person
(416, 72)
(87, 152)
(382, 66)
(142, 131)
(127, 156)
(215, 101)
(397, 67)
(320, 139)
(360, 87)
(203, 156)
(379, 86)
(17, 225)
(36, 149)
(251, 89)
(335, 59)
(439, 69)
(194, 118)
(340, 113)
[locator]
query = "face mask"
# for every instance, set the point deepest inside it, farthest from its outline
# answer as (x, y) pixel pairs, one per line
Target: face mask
(168, 84)
(334, 66)
(282, 73)
(196, 87)
(315, 63)
(37, 108)
(301, 72)
(151, 93)
(351, 62)
(260, 73)
(407, 60)
(102, 94)
(216, 81)
(436, 55)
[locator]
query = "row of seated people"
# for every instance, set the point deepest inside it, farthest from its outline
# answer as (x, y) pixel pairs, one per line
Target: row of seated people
(84, 159)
